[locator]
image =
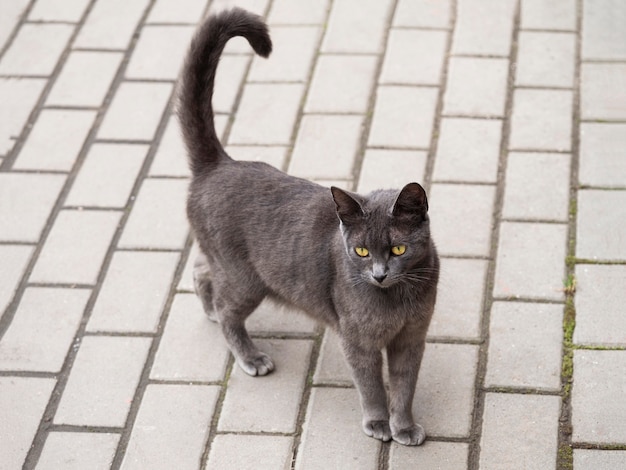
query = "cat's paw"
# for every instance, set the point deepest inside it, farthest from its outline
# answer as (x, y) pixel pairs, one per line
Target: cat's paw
(412, 436)
(259, 365)
(378, 430)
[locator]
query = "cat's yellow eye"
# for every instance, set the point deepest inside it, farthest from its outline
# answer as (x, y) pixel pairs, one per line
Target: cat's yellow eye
(361, 251)
(398, 250)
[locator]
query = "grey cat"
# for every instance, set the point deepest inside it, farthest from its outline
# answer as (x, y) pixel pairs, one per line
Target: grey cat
(364, 265)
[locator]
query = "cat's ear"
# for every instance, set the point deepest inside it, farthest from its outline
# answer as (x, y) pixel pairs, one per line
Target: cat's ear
(349, 209)
(411, 202)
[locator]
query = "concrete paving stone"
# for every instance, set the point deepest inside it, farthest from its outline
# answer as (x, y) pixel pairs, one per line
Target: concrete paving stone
(84, 79)
(332, 436)
(326, 146)
(11, 13)
(292, 55)
(599, 313)
(18, 97)
(56, 140)
(554, 15)
(269, 403)
(49, 10)
(461, 218)
(350, 94)
(186, 279)
(26, 200)
(271, 317)
(541, 120)
(476, 87)
(36, 49)
(106, 164)
(192, 346)
(598, 414)
(78, 451)
(288, 12)
(525, 346)
(484, 27)
(14, 260)
(403, 117)
(332, 368)
(171, 427)
(43, 329)
(158, 219)
(468, 150)
(602, 91)
(545, 59)
(431, 455)
(444, 398)
(176, 11)
(602, 154)
(414, 57)
(603, 32)
(274, 156)
(103, 380)
(422, 13)
(586, 459)
(525, 425)
(75, 247)
(22, 403)
(113, 15)
(356, 26)
(264, 99)
(135, 111)
(230, 74)
(385, 169)
(134, 292)
(459, 307)
(255, 6)
(171, 155)
(531, 261)
(249, 452)
(159, 52)
(537, 186)
(600, 225)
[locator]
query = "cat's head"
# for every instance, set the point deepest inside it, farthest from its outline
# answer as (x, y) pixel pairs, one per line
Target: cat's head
(386, 234)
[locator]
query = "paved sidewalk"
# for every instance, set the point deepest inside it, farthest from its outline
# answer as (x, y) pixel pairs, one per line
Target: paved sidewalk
(512, 113)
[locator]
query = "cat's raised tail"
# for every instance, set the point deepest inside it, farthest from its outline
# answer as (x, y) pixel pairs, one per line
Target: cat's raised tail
(195, 108)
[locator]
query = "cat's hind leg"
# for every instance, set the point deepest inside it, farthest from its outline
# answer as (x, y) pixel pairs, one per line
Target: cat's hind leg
(203, 285)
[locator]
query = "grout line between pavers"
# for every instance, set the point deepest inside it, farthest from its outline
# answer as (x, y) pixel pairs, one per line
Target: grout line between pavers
(11, 37)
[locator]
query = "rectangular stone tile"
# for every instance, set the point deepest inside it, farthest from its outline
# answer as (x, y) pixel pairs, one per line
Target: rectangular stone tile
(192, 346)
(525, 346)
(266, 100)
(476, 87)
(135, 111)
(403, 117)
(554, 15)
(484, 27)
(49, 10)
(422, 13)
(537, 186)
(186, 278)
(461, 218)
(258, 7)
(36, 49)
(545, 59)
(75, 247)
(11, 14)
(107, 175)
(56, 140)
(530, 261)
(391, 169)
(332, 368)
(541, 120)
(43, 329)
(459, 307)
(158, 218)
(468, 150)
(602, 91)
(525, 425)
(273, 318)
(603, 32)
(103, 380)
(26, 200)
(600, 225)
(598, 414)
(171, 427)
(332, 435)
(14, 260)
(171, 156)
(414, 57)
(602, 154)
(326, 146)
(269, 403)
(18, 97)
(432, 454)
(288, 12)
(599, 312)
(78, 451)
(228, 80)
(586, 458)
(241, 451)
(348, 95)
(356, 26)
(22, 403)
(272, 155)
(176, 11)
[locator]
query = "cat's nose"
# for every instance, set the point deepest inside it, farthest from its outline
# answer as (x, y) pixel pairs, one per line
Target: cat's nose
(380, 278)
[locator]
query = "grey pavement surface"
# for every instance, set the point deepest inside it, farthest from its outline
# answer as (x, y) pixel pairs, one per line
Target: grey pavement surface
(512, 114)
